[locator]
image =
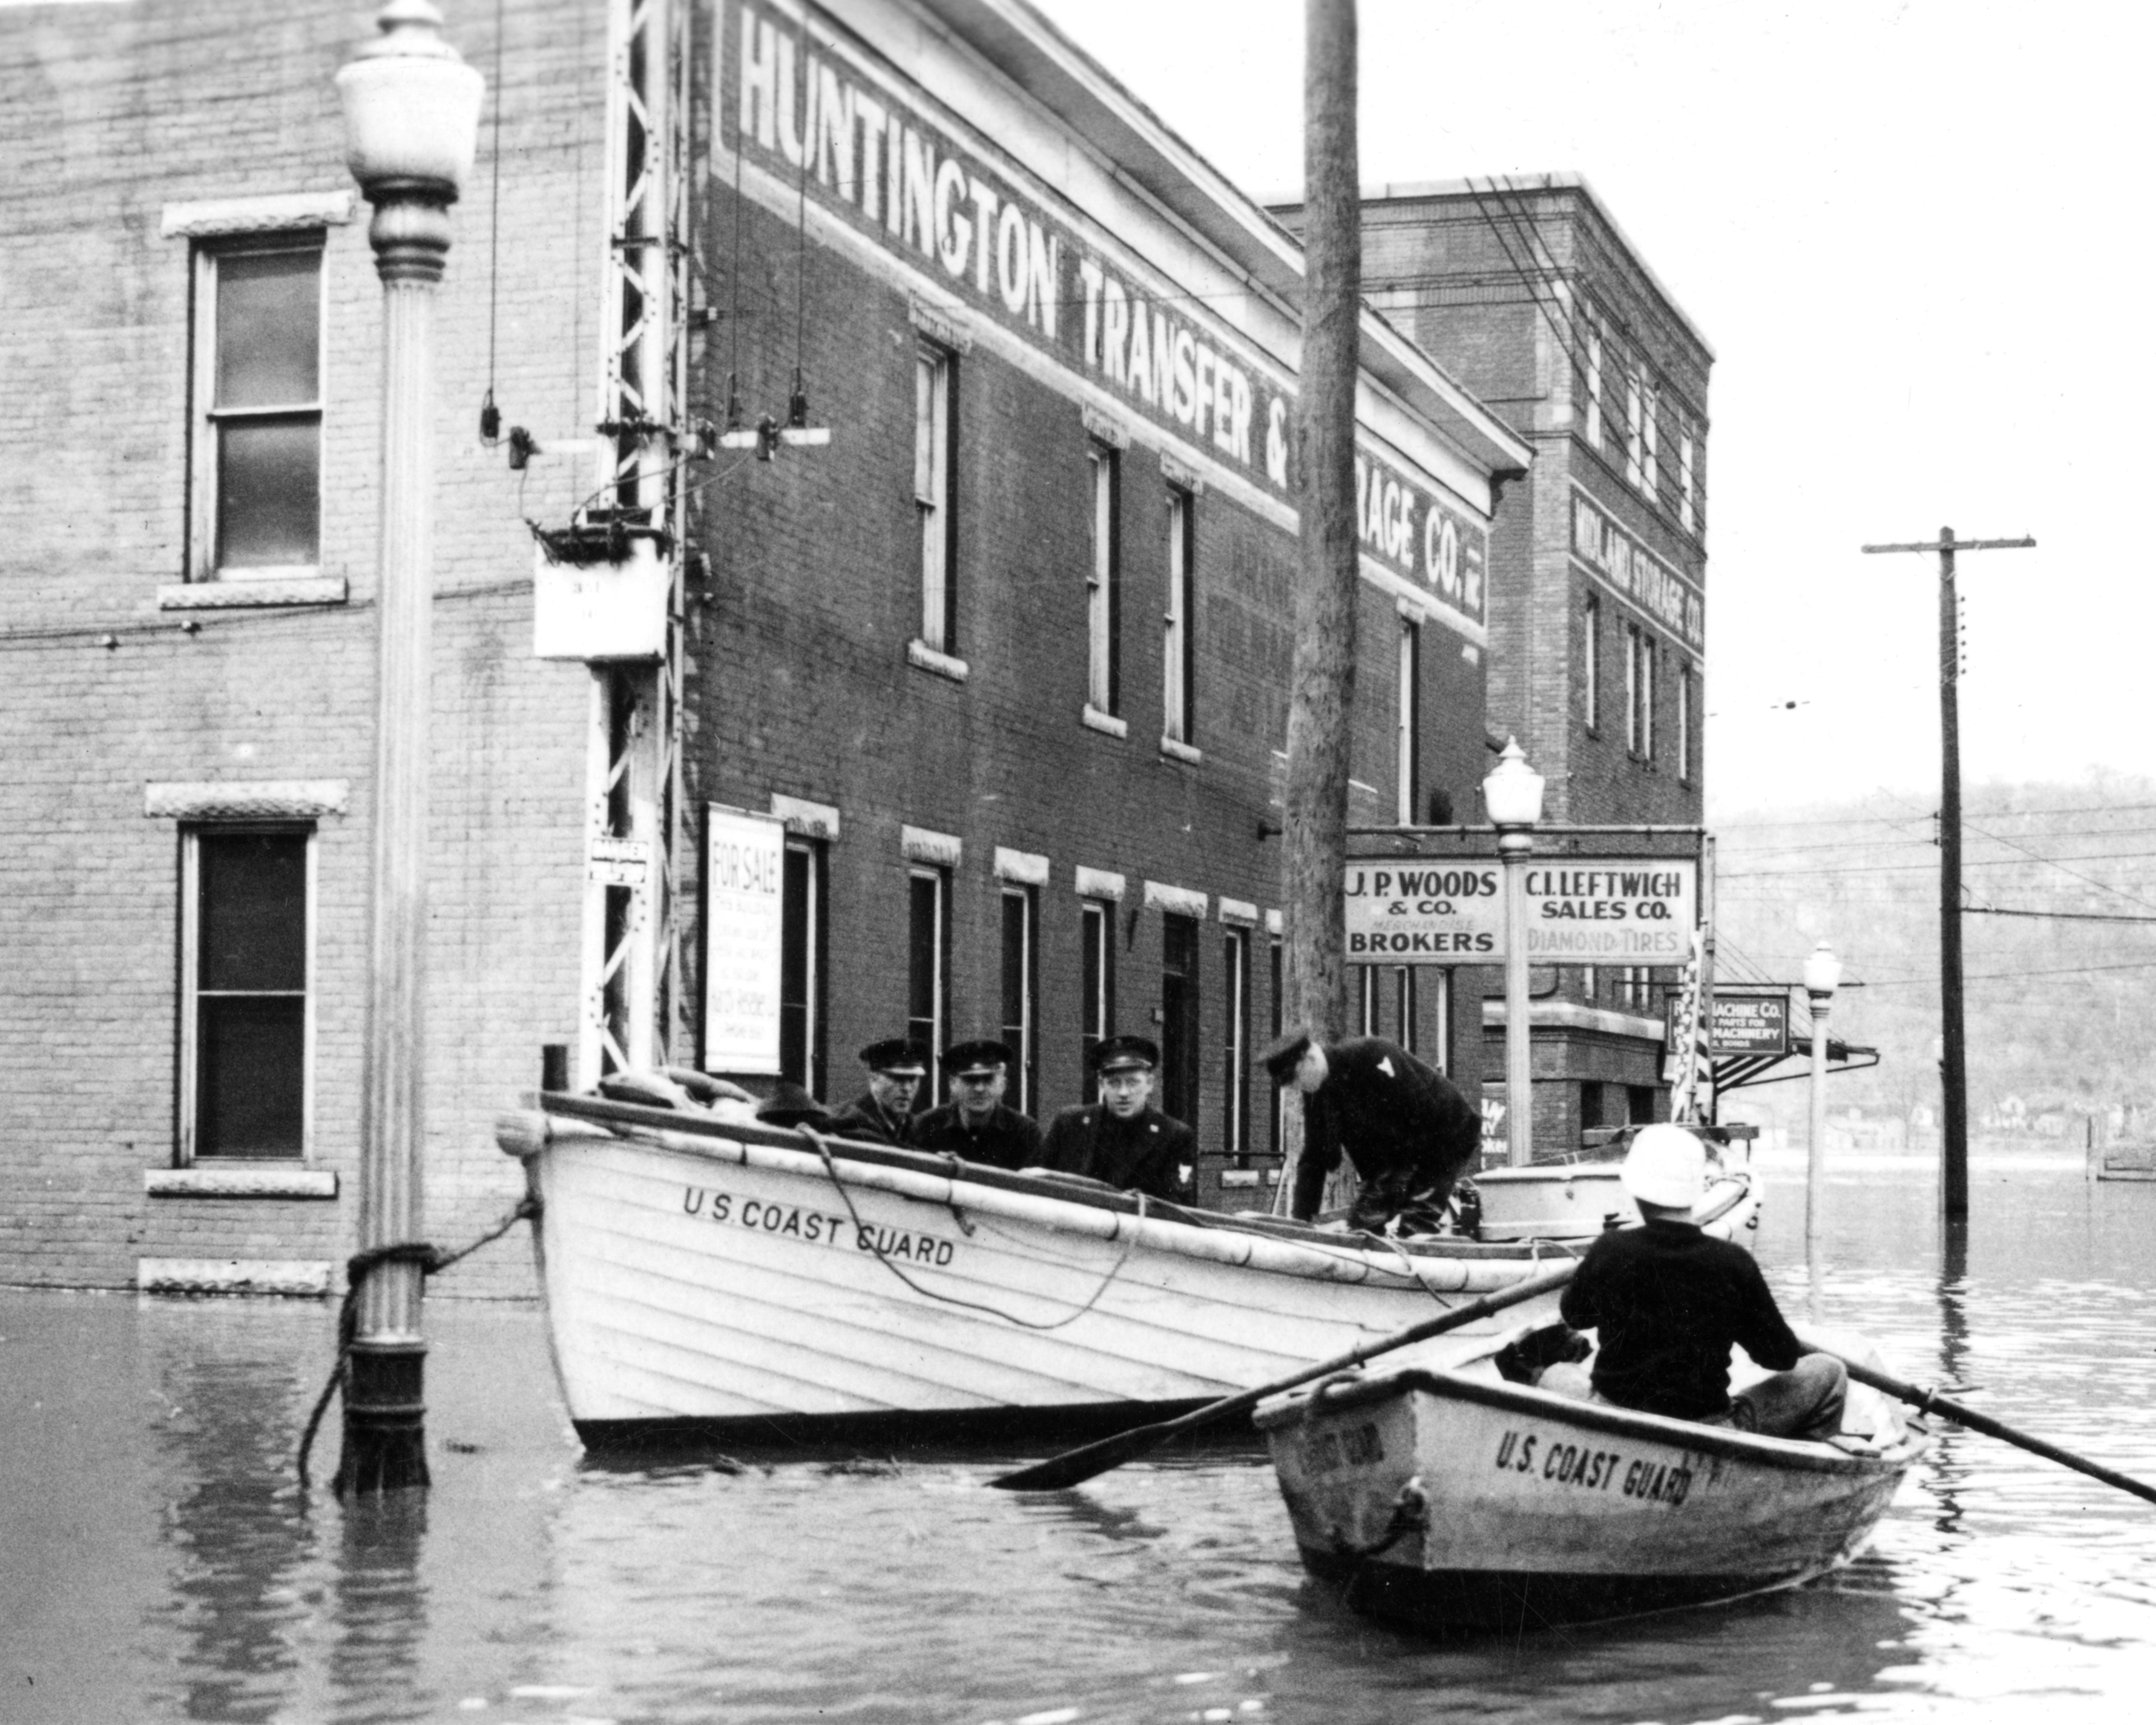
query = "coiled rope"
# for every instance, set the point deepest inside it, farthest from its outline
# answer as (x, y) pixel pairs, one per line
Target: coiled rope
(431, 1259)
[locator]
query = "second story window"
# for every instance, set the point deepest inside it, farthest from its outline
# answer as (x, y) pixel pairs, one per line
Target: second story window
(1407, 742)
(1639, 692)
(1177, 655)
(1590, 662)
(934, 390)
(256, 498)
(1103, 583)
(1096, 987)
(1652, 434)
(1684, 725)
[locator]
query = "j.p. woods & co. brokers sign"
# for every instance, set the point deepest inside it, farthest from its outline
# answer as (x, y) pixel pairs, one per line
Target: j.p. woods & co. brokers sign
(1579, 910)
(832, 127)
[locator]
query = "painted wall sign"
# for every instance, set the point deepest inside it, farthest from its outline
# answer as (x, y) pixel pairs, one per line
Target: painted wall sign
(1745, 1024)
(1580, 911)
(860, 145)
(1636, 573)
(744, 869)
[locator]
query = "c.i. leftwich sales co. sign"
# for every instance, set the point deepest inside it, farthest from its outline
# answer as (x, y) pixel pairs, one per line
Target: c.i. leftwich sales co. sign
(1579, 910)
(836, 128)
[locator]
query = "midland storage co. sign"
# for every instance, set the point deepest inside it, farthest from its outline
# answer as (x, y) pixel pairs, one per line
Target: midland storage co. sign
(1579, 910)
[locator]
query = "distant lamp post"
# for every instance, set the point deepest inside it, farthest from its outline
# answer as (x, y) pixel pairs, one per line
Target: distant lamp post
(1822, 977)
(410, 114)
(1512, 797)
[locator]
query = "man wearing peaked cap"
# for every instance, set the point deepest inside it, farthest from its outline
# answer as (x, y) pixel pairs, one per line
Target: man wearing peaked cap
(975, 1124)
(1123, 1139)
(884, 1112)
(1405, 1126)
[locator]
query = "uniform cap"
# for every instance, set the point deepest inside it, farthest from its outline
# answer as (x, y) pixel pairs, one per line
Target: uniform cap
(1666, 1165)
(899, 1055)
(1126, 1053)
(1285, 1055)
(978, 1059)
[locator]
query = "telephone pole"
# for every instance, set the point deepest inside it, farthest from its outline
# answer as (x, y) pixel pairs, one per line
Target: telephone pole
(1321, 678)
(1954, 1065)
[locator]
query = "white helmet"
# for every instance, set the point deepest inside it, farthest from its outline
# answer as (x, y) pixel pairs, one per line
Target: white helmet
(1666, 1165)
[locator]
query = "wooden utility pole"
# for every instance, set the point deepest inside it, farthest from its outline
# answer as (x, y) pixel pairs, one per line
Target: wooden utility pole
(1322, 681)
(1953, 1063)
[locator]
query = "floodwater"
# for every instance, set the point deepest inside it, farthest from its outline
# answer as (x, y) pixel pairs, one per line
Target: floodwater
(158, 1560)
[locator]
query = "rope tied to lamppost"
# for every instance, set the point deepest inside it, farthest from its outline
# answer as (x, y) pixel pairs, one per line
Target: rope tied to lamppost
(432, 1261)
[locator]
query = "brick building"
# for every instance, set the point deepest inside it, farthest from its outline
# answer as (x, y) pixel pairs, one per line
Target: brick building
(1529, 292)
(1007, 658)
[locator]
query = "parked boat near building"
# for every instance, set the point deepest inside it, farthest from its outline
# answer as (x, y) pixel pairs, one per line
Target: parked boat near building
(708, 1278)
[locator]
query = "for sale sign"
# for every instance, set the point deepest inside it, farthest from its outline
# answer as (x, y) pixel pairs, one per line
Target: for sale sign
(1579, 910)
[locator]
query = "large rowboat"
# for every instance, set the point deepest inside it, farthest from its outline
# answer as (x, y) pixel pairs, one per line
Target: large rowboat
(1456, 1499)
(710, 1278)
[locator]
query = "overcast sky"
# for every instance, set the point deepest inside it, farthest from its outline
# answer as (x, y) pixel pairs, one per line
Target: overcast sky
(1912, 234)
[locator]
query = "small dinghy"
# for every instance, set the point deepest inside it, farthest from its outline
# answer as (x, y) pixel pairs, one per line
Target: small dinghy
(1455, 1499)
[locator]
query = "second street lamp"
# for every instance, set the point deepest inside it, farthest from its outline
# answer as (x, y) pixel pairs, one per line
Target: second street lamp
(1512, 797)
(1822, 977)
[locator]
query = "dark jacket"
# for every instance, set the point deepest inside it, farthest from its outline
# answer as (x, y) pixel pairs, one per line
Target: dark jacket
(864, 1117)
(1146, 1153)
(1404, 1125)
(1006, 1139)
(1667, 1301)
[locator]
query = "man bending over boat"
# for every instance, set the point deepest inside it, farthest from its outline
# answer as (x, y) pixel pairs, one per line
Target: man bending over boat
(884, 1112)
(1405, 1126)
(1123, 1138)
(1668, 1301)
(975, 1124)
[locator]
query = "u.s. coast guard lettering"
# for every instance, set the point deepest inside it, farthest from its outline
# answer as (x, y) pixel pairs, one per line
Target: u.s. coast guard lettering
(815, 1227)
(1593, 1469)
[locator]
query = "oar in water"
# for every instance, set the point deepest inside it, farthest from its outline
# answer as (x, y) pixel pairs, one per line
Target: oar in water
(1074, 1467)
(1929, 1401)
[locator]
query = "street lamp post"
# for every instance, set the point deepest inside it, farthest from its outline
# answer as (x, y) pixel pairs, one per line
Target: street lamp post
(1822, 977)
(411, 113)
(1512, 796)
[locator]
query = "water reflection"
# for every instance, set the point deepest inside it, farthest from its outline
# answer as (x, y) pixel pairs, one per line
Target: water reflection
(232, 1525)
(187, 1578)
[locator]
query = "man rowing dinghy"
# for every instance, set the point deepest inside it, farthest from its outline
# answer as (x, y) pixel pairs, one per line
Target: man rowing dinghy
(1667, 1302)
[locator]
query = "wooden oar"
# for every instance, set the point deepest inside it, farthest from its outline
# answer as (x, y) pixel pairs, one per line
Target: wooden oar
(1075, 1467)
(1929, 1401)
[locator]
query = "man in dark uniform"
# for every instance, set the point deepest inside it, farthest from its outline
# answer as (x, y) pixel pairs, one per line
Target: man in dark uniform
(1123, 1139)
(1405, 1127)
(1667, 1300)
(975, 1124)
(884, 1112)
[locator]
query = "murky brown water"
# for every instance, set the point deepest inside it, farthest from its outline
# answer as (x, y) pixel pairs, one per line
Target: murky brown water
(158, 1562)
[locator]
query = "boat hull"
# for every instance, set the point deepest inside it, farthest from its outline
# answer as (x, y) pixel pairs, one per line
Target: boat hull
(746, 1287)
(1543, 1510)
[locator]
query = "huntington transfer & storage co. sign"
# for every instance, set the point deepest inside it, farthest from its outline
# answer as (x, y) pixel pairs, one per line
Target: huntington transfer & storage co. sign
(1579, 910)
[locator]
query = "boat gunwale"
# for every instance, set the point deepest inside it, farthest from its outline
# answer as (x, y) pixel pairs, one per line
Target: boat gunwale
(1774, 1454)
(625, 1118)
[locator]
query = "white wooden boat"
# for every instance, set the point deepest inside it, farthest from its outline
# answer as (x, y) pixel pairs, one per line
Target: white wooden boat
(1456, 1499)
(713, 1279)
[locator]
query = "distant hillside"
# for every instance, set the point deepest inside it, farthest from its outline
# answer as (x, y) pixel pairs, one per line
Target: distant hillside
(2059, 1011)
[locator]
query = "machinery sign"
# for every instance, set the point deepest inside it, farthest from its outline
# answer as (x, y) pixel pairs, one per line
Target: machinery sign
(1579, 910)
(1746, 1024)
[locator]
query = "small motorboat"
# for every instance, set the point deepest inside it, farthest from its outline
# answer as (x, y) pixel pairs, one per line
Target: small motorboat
(1457, 1500)
(707, 1277)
